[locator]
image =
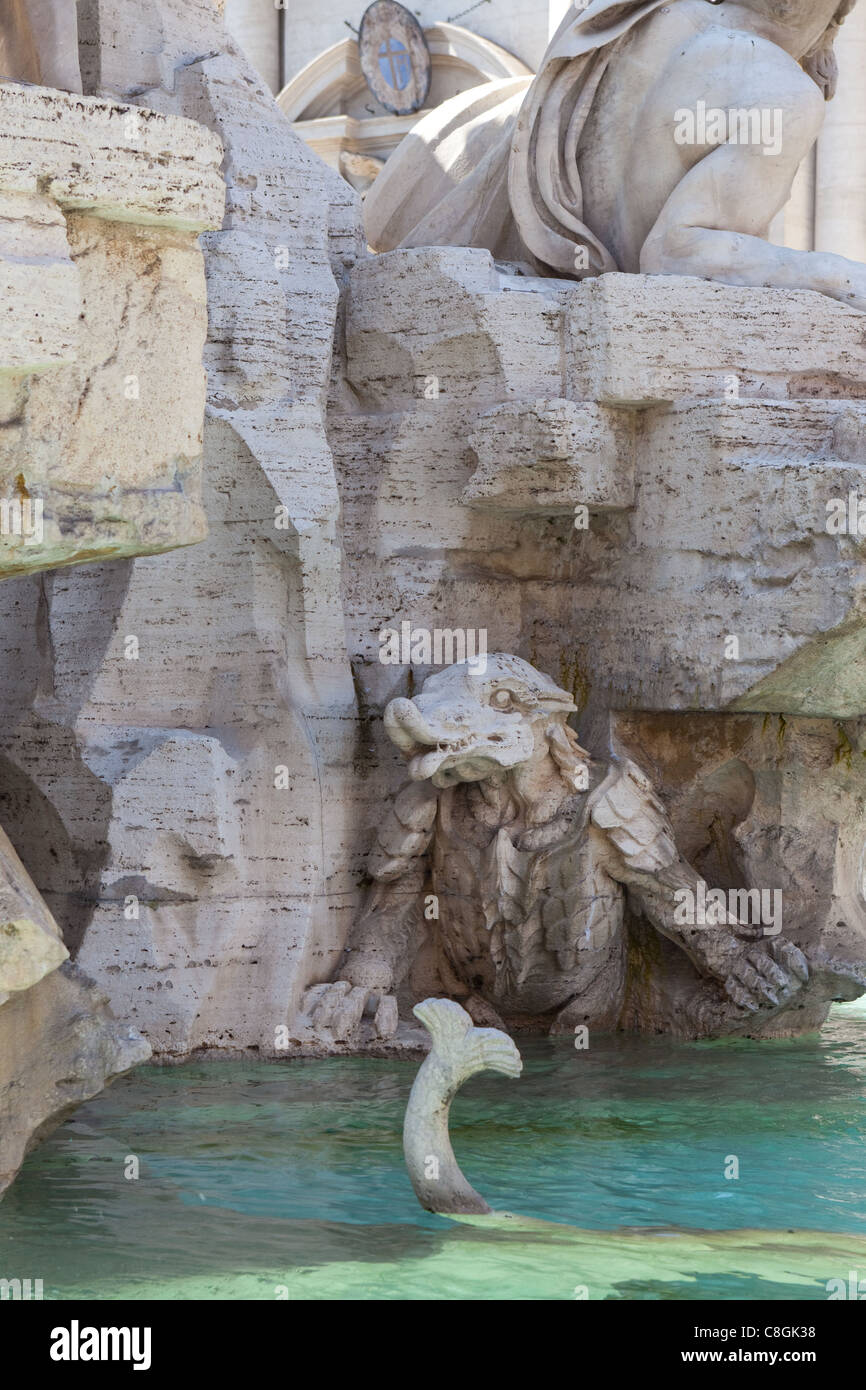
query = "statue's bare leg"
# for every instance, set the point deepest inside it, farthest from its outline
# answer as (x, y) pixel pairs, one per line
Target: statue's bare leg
(714, 221)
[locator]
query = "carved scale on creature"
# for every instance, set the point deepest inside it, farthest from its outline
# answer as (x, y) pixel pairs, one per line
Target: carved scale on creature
(538, 858)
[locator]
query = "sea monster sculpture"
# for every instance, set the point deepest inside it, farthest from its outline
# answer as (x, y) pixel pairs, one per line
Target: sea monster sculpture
(459, 1051)
(659, 136)
(527, 851)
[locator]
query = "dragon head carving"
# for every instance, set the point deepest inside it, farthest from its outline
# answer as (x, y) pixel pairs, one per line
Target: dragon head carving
(467, 725)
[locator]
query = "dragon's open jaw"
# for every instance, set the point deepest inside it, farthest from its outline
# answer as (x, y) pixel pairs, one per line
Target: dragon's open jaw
(443, 750)
(463, 727)
(467, 760)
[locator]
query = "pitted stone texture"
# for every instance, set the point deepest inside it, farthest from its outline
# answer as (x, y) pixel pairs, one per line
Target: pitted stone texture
(111, 445)
(727, 562)
(739, 433)
(118, 162)
(40, 309)
(640, 340)
(442, 322)
(551, 457)
(201, 797)
(101, 287)
(202, 794)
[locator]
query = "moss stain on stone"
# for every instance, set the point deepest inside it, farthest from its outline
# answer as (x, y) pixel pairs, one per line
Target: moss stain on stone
(844, 750)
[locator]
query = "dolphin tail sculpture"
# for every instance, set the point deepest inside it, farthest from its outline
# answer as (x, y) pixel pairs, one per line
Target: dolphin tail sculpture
(459, 1051)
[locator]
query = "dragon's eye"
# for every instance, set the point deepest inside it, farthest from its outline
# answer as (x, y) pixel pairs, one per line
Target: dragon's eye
(501, 699)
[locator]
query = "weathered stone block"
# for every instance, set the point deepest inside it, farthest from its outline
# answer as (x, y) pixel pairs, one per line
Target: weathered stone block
(201, 799)
(40, 291)
(549, 456)
(100, 445)
(121, 162)
(443, 323)
(752, 420)
(638, 340)
(728, 563)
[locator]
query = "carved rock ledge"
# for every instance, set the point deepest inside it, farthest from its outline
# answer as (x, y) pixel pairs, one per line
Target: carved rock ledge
(101, 285)
(705, 427)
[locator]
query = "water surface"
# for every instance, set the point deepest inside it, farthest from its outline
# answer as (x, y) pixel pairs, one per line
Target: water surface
(275, 1180)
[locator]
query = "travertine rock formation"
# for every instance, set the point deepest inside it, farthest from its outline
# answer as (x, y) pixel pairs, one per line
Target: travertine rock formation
(644, 460)
(630, 481)
(100, 446)
(100, 455)
(625, 481)
(101, 282)
(186, 725)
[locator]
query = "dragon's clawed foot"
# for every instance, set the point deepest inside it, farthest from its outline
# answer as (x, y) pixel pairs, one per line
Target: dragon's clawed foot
(335, 1011)
(767, 977)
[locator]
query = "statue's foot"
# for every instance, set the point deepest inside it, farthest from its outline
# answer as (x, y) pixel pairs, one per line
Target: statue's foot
(763, 981)
(335, 1012)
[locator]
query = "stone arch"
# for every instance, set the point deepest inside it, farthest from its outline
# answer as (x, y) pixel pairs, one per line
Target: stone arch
(336, 114)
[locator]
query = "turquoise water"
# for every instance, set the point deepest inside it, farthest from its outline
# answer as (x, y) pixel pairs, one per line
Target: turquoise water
(264, 1180)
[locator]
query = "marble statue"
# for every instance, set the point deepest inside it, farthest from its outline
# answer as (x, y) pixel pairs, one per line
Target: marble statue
(459, 1051)
(659, 136)
(519, 854)
(39, 43)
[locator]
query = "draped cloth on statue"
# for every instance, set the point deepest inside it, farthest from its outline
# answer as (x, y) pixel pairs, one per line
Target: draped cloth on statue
(497, 166)
(39, 43)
